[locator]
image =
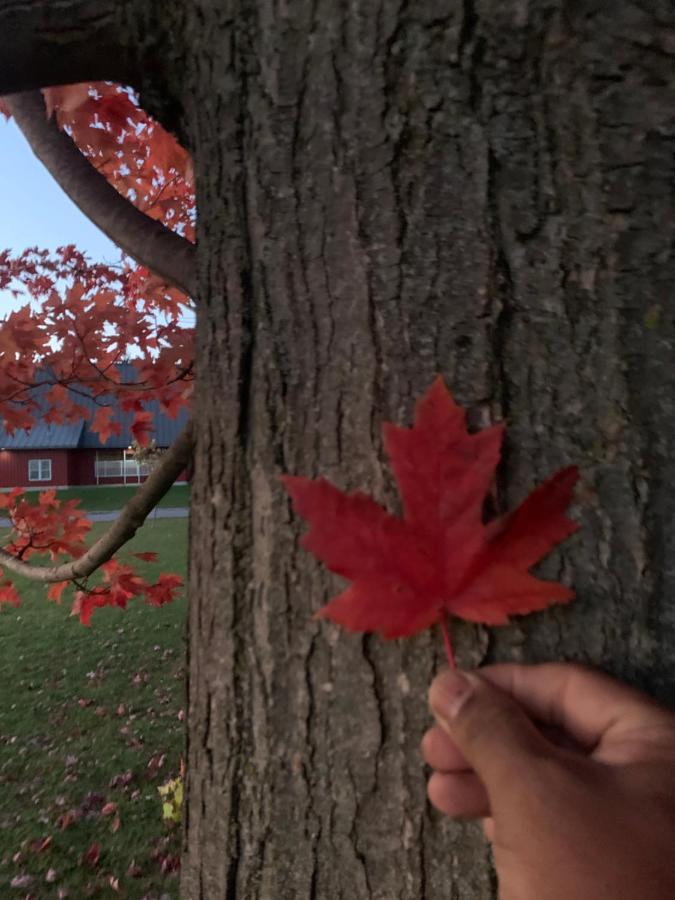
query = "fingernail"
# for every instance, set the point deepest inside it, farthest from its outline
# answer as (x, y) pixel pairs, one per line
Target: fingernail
(449, 692)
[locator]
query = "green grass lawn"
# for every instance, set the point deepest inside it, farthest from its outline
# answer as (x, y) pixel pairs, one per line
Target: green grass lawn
(100, 499)
(91, 717)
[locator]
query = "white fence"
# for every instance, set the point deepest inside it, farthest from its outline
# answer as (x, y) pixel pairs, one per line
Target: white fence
(126, 469)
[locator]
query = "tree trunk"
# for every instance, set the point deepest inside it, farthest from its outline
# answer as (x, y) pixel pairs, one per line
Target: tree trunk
(388, 191)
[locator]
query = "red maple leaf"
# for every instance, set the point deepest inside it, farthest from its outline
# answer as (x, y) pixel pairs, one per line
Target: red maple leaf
(8, 594)
(164, 590)
(142, 428)
(441, 557)
(56, 590)
(103, 425)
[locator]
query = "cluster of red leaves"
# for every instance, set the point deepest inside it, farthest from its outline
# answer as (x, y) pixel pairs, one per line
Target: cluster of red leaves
(81, 319)
(91, 316)
(121, 584)
(138, 157)
(50, 526)
(59, 529)
(441, 557)
(89, 319)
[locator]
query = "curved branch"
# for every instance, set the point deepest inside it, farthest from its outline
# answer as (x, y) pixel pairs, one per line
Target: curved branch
(46, 43)
(150, 243)
(133, 514)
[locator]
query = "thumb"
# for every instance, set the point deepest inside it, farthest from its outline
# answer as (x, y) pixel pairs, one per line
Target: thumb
(487, 726)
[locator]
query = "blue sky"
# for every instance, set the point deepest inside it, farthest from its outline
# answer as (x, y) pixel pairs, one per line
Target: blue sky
(34, 211)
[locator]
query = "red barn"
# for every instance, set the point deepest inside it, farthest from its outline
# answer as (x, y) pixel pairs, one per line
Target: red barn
(65, 455)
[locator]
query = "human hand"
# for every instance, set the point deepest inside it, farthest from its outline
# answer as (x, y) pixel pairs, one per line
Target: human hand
(572, 773)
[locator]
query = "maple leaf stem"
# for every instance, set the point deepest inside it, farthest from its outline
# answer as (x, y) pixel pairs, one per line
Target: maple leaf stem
(445, 631)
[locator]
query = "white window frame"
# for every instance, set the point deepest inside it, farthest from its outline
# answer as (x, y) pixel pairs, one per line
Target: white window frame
(44, 470)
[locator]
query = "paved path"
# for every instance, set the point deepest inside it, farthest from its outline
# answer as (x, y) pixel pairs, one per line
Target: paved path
(159, 512)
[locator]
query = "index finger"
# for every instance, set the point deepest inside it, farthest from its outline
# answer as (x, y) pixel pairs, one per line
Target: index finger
(585, 703)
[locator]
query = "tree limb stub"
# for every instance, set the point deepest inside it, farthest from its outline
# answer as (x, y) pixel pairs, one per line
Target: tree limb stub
(45, 42)
(133, 514)
(150, 243)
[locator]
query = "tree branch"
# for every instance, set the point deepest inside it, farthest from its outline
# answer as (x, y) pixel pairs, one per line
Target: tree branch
(150, 243)
(133, 514)
(45, 42)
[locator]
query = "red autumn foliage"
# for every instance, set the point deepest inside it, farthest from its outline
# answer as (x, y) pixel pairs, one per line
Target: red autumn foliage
(81, 318)
(121, 584)
(92, 315)
(85, 320)
(441, 557)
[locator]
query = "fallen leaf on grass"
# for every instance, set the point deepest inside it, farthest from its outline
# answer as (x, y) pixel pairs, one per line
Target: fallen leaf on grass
(109, 809)
(66, 820)
(169, 863)
(92, 805)
(93, 854)
(41, 844)
(155, 763)
(121, 780)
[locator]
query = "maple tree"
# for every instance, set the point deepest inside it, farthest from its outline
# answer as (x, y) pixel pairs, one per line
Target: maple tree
(81, 318)
(441, 557)
(386, 192)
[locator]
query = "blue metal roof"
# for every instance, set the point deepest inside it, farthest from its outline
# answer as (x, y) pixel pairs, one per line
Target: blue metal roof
(165, 432)
(44, 436)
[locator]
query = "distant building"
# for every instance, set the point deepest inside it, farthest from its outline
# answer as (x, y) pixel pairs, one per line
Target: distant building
(65, 455)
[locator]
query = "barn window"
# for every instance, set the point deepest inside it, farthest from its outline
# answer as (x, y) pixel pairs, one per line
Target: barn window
(39, 470)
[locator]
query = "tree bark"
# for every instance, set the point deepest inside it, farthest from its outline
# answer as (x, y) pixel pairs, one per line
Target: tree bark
(45, 42)
(387, 191)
